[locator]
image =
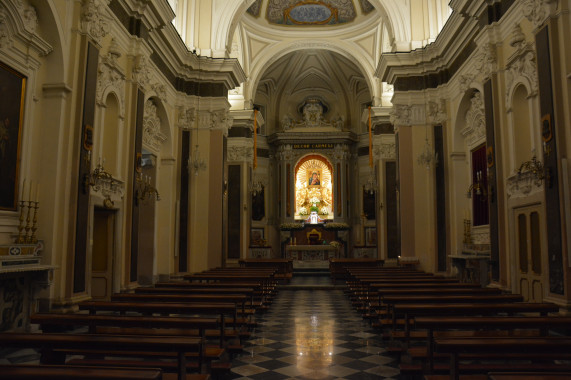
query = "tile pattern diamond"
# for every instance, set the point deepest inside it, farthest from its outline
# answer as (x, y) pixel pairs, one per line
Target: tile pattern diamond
(314, 334)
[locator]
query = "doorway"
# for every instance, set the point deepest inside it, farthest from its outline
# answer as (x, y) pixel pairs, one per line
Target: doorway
(529, 253)
(103, 253)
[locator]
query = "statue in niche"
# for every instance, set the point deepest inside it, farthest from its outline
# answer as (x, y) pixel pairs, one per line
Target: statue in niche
(287, 122)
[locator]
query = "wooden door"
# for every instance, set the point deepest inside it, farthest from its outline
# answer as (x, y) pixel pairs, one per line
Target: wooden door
(102, 254)
(529, 253)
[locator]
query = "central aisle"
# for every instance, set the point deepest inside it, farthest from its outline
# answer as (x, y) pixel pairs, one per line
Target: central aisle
(313, 334)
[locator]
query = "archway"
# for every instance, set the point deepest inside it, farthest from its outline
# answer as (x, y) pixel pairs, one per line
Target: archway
(313, 187)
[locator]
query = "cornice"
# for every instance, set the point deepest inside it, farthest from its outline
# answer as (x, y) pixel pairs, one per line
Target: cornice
(282, 138)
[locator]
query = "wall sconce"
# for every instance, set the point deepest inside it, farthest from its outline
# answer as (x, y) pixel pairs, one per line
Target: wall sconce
(102, 181)
(479, 188)
(534, 167)
(145, 191)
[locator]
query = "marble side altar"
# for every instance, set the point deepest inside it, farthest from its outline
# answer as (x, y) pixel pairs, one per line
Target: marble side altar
(311, 252)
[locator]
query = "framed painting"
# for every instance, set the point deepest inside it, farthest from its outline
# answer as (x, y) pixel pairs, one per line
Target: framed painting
(257, 237)
(370, 236)
(12, 88)
(314, 178)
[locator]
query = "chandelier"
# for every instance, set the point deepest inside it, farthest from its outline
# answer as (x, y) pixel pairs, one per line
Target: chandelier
(256, 187)
(478, 188)
(103, 182)
(195, 162)
(427, 157)
(371, 185)
(144, 191)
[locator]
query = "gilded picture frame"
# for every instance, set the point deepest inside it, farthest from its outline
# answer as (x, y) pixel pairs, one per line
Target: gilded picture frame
(12, 95)
(314, 178)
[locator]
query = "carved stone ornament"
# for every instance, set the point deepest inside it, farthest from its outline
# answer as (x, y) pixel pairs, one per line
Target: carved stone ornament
(5, 40)
(240, 153)
(221, 119)
(285, 153)
(110, 79)
(522, 69)
(475, 129)
(312, 117)
(93, 19)
(160, 90)
(340, 152)
(522, 185)
(485, 61)
(141, 73)
(186, 118)
(536, 11)
(152, 135)
(401, 115)
(28, 14)
(436, 112)
(465, 82)
(387, 151)
(480, 235)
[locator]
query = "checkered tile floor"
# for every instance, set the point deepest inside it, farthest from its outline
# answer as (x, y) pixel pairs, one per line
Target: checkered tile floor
(314, 334)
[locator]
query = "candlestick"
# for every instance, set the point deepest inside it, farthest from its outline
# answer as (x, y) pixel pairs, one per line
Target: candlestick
(37, 192)
(21, 239)
(29, 191)
(23, 189)
(28, 223)
(33, 238)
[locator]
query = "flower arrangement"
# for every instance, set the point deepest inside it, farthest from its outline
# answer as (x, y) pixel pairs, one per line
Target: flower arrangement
(324, 210)
(314, 200)
(303, 211)
(335, 244)
(336, 226)
(314, 208)
(291, 226)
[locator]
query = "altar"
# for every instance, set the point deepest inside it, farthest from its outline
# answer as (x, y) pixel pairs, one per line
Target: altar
(311, 252)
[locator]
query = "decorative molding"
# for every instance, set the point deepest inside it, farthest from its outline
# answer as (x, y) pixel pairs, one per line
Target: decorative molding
(221, 119)
(111, 78)
(465, 82)
(436, 112)
(475, 129)
(401, 115)
(522, 69)
(537, 11)
(240, 153)
(152, 135)
(480, 235)
(340, 152)
(5, 40)
(312, 117)
(186, 118)
(485, 61)
(141, 72)
(385, 150)
(28, 14)
(94, 22)
(522, 185)
(19, 20)
(285, 152)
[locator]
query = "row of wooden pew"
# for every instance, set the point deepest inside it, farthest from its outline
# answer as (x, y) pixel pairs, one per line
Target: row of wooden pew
(446, 329)
(159, 332)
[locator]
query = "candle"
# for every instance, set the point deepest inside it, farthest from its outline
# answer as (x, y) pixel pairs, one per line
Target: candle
(30, 190)
(37, 192)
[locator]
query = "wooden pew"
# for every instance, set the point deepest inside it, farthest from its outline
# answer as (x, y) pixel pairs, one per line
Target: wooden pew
(62, 372)
(284, 267)
(49, 342)
(413, 310)
(164, 308)
(505, 347)
(337, 266)
(439, 326)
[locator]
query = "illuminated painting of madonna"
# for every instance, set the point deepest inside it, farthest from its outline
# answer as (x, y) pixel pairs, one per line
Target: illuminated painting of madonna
(313, 178)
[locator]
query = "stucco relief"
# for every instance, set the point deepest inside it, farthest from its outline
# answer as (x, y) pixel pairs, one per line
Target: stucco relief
(401, 115)
(152, 135)
(340, 152)
(522, 70)
(285, 153)
(110, 78)
(385, 151)
(480, 235)
(240, 153)
(522, 185)
(93, 19)
(28, 14)
(436, 112)
(186, 118)
(536, 11)
(5, 40)
(141, 72)
(475, 130)
(485, 60)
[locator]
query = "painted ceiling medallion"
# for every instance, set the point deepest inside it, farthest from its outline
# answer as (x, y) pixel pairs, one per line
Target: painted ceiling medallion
(310, 12)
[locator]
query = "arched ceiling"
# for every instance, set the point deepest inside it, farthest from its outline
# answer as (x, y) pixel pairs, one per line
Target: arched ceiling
(313, 74)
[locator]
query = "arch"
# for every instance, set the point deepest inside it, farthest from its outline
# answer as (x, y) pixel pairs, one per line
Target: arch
(281, 49)
(393, 13)
(156, 131)
(309, 194)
